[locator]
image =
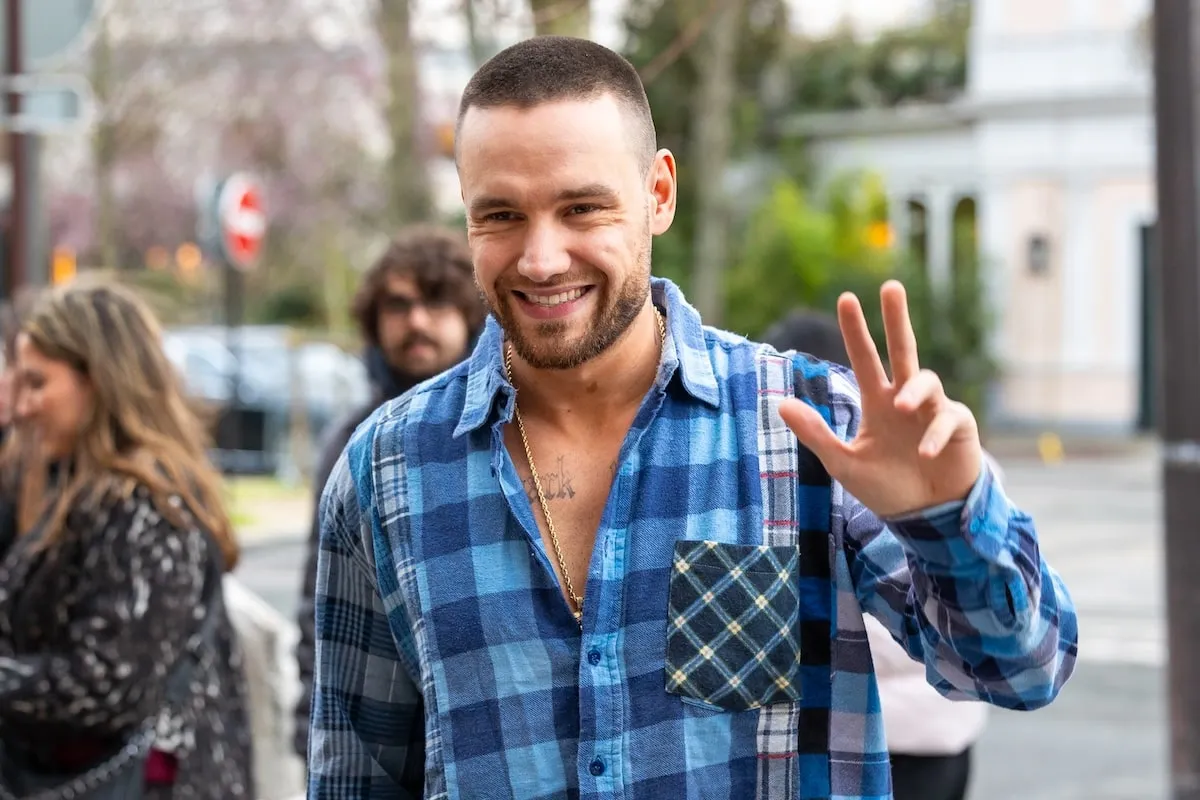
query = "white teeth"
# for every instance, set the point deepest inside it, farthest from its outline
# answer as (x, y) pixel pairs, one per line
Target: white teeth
(556, 299)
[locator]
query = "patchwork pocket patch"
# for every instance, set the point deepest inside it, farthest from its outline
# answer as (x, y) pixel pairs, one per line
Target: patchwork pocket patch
(733, 622)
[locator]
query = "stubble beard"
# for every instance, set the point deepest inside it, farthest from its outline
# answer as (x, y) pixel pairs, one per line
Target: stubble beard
(548, 345)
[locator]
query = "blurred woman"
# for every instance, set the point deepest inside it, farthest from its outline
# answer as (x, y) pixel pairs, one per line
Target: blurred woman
(119, 671)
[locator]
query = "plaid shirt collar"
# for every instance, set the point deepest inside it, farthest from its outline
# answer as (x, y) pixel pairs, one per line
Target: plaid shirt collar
(684, 354)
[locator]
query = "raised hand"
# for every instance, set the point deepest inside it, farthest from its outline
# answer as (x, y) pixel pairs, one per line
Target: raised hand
(915, 448)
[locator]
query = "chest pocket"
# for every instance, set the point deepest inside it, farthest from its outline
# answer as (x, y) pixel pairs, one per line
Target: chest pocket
(732, 622)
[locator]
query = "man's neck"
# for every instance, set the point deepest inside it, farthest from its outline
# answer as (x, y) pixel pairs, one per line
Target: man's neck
(607, 386)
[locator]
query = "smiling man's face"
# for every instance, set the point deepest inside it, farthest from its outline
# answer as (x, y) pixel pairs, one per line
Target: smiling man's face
(560, 215)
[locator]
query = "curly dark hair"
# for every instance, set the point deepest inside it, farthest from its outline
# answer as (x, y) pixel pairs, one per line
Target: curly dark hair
(440, 263)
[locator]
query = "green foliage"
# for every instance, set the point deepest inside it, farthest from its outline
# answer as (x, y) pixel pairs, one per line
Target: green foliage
(174, 300)
(797, 253)
(655, 27)
(298, 304)
(952, 325)
(804, 254)
(798, 249)
(926, 62)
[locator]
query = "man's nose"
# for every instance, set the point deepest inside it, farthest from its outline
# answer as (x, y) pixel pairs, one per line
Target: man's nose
(545, 254)
(418, 317)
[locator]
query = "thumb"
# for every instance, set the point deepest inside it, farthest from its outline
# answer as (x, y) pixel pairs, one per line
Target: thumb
(813, 432)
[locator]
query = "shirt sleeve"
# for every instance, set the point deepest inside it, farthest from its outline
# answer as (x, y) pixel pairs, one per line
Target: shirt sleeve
(367, 720)
(962, 587)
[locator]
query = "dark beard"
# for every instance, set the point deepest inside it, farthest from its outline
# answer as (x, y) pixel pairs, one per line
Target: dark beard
(546, 349)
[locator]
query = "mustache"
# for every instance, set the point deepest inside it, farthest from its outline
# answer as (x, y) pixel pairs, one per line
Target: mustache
(417, 338)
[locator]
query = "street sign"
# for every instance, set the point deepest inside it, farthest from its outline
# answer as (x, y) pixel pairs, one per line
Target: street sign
(50, 27)
(241, 219)
(49, 103)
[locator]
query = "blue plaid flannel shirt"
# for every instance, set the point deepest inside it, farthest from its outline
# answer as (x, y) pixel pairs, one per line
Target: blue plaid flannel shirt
(723, 653)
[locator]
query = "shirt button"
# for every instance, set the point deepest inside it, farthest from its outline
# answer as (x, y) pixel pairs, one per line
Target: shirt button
(596, 768)
(594, 659)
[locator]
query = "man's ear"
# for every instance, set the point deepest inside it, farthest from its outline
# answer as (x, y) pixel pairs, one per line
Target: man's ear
(663, 187)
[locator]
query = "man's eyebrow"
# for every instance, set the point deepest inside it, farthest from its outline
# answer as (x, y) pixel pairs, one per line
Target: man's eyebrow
(597, 191)
(591, 191)
(482, 205)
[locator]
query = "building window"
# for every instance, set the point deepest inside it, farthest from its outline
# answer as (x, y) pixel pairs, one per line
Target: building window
(918, 232)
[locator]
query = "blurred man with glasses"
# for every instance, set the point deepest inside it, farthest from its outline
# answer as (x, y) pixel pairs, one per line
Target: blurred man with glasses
(419, 312)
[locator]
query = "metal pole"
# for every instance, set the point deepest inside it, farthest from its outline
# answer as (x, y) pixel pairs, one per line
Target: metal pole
(1179, 373)
(18, 243)
(234, 311)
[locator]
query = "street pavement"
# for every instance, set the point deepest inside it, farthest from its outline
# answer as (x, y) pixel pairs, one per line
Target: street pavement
(1105, 737)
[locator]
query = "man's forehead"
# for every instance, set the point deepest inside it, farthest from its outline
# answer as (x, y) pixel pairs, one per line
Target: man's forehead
(597, 123)
(401, 283)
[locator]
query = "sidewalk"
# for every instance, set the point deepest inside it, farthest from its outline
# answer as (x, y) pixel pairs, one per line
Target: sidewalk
(1026, 445)
(265, 512)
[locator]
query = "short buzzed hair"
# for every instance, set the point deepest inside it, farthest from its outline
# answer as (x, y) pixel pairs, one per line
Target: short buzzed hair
(547, 69)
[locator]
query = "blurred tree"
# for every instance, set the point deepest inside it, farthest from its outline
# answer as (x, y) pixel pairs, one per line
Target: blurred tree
(475, 39)
(188, 90)
(925, 62)
(561, 17)
(712, 147)
(104, 139)
(800, 253)
(409, 195)
(665, 40)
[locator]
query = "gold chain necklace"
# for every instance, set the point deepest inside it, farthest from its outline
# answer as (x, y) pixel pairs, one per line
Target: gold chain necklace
(537, 481)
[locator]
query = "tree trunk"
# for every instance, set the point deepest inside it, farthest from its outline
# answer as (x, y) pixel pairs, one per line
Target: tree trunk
(104, 144)
(410, 199)
(561, 17)
(474, 40)
(710, 158)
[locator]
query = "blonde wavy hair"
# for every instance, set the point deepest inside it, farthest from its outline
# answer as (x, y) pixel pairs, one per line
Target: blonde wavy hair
(141, 430)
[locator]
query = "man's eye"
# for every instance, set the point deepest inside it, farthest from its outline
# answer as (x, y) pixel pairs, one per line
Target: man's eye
(582, 209)
(500, 216)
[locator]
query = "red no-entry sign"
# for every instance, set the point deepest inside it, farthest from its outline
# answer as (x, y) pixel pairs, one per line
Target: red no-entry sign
(242, 220)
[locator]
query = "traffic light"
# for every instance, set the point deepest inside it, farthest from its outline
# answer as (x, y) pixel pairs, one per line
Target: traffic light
(188, 260)
(62, 265)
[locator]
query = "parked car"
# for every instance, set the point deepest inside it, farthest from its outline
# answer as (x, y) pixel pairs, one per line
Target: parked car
(279, 383)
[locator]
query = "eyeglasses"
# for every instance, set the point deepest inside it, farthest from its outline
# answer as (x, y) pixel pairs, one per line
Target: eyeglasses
(403, 306)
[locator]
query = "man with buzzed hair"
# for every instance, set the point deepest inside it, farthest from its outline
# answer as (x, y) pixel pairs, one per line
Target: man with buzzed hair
(620, 554)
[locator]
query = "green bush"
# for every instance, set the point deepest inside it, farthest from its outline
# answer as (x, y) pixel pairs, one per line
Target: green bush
(801, 254)
(296, 304)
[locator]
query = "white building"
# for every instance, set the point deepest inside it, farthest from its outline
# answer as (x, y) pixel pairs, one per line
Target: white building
(1053, 144)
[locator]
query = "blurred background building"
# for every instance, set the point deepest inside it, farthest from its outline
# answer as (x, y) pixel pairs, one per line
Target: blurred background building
(1049, 151)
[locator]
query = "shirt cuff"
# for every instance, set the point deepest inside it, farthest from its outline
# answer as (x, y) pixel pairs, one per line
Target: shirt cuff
(951, 533)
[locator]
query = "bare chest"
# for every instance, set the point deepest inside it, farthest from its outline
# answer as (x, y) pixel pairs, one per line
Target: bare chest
(567, 485)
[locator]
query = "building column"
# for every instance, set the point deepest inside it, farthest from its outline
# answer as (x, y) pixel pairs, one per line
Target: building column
(994, 253)
(898, 217)
(1078, 281)
(939, 204)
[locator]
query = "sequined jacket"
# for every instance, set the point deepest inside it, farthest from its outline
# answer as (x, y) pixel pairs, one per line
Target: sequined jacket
(89, 631)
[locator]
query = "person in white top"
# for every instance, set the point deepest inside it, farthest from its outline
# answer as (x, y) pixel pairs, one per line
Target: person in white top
(929, 737)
